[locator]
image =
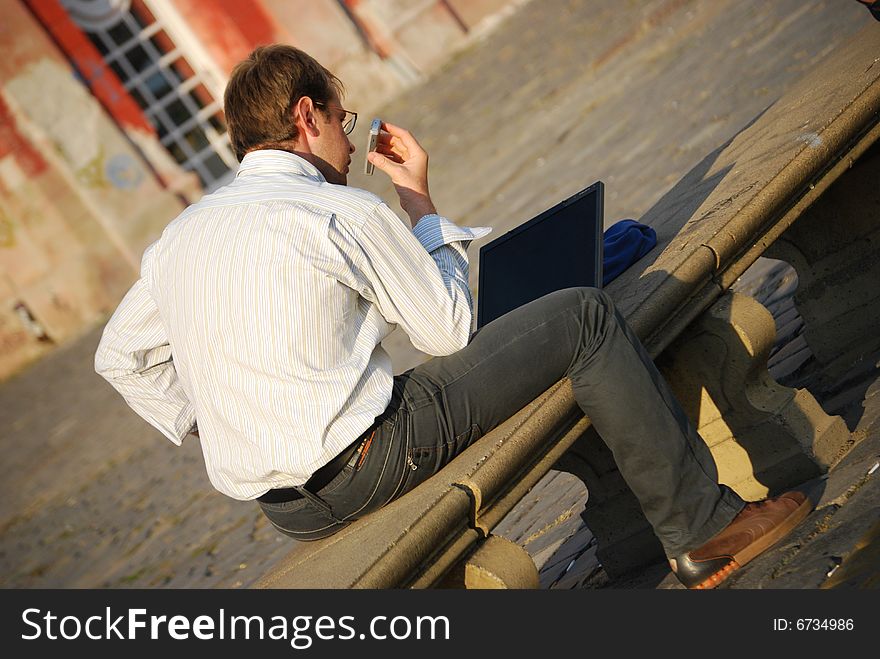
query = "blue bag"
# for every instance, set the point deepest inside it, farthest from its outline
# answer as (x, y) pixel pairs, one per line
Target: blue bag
(624, 243)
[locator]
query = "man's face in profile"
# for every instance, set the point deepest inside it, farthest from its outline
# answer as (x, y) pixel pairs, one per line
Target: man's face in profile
(333, 146)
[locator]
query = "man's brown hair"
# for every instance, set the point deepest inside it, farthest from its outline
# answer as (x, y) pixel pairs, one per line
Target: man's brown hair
(262, 90)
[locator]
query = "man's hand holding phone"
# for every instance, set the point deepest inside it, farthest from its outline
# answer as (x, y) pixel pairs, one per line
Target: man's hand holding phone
(399, 155)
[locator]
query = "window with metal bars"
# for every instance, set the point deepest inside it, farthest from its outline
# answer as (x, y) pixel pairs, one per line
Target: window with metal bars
(187, 119)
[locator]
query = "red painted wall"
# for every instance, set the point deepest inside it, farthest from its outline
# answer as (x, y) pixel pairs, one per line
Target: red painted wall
(100, 79)
(11, 141)
(230, 29)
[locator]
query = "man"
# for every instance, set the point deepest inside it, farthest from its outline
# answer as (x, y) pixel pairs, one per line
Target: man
(260, 310)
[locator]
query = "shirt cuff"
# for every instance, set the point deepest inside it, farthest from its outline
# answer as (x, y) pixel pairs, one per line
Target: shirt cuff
(434, 231)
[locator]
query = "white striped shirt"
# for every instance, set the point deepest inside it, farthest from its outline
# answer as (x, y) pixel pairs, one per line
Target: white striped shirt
(259, 312)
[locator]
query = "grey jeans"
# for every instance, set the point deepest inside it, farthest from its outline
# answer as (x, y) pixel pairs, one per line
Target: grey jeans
(439, 408)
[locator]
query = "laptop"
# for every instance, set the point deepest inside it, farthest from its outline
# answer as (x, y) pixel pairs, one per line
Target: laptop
(560, 248)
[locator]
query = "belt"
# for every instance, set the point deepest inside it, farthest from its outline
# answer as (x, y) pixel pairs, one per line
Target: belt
(325, 474)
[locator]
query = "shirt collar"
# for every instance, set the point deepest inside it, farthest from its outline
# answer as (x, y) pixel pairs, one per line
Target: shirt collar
(276, 161)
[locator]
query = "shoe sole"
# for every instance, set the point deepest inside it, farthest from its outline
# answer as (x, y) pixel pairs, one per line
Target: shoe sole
(760, 545)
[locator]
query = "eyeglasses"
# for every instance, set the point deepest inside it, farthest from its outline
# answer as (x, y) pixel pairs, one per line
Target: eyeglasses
(347, 122)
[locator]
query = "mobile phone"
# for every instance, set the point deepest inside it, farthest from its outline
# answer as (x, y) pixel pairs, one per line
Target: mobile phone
(372, 142)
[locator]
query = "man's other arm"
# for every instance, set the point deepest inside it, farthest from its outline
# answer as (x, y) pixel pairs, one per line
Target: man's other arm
(420, 278)
(134, 356)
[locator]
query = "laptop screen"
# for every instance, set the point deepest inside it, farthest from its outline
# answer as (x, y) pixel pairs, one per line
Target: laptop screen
(560, 248)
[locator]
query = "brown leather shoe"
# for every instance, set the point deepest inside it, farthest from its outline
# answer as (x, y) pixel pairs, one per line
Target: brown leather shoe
(756, 528)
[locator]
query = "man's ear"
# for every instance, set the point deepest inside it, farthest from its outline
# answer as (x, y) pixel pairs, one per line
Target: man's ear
(304, 117)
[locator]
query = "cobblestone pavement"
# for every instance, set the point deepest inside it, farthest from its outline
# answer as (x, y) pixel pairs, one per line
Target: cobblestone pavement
(563, 93)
